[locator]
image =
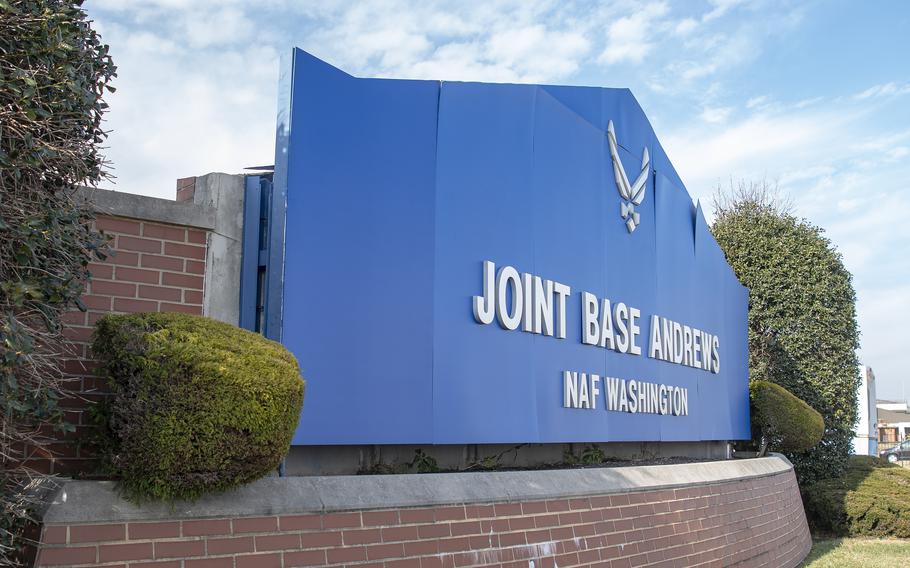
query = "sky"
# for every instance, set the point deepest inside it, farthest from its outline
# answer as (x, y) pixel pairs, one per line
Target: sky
(813, 96)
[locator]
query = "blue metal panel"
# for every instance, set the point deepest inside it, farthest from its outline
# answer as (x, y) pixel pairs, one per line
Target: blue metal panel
(249, 271)
(397, 191)
(358, 283)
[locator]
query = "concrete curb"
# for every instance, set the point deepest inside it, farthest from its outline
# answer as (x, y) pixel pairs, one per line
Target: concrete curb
(98, 501)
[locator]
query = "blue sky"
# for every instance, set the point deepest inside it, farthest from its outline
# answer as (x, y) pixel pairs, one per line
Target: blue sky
(813, 96)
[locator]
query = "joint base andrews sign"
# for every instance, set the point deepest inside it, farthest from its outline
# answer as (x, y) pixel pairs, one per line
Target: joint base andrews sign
(470, 263)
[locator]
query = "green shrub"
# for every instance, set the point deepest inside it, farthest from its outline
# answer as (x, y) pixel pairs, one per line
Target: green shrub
(785, 422)
(802, 315)
(872, 499)
(198, 406)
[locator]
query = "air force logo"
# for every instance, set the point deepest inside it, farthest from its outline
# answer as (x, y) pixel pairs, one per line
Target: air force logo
(632, 194)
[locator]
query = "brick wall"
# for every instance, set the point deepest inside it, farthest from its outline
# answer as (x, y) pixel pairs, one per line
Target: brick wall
(154, 267)
(748, 522)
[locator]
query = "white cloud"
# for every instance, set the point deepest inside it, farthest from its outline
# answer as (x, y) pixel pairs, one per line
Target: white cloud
(715, 114)
(883, 90)
(629, 39)
(755, 102)
(721, 7)
(685, 26)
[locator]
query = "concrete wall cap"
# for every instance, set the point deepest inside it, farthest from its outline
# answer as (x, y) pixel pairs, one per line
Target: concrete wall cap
(146, 208)
(98, 501)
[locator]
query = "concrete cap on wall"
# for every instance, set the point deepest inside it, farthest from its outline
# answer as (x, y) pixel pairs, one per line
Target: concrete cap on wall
(98, 501)
(143, 207)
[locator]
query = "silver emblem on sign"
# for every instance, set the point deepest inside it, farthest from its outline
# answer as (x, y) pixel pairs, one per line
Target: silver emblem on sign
(632, 194)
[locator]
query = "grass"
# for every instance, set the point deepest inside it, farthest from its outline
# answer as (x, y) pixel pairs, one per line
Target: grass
(858, 553)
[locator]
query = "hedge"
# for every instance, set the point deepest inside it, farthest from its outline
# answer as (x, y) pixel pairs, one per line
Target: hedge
(785, 422)
(198, 406)
(802, 315)
(872, 499)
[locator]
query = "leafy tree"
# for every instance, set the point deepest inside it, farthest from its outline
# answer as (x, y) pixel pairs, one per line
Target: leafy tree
(53, 73)
(802, 314)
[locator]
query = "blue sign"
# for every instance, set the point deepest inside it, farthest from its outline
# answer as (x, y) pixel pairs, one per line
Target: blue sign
(471, 263)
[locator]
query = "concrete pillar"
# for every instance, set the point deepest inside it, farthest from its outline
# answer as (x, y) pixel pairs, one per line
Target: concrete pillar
(224, 194)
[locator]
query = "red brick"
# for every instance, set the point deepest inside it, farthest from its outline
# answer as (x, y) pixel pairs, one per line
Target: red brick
(512, 539)
(67, 556)
(229, 545)
(116, 552)
(182, 280)
(159, 293)
(255, 525)
(132, 306)
(160, 564)
(300, 522)
(207, 527)
(137, 275)
(139, 245)
(108, 288)
(97, 533)
(153, 530)
(179, 548)
(166, 232)
(78, 334)
(408, 516)
(480, 511)
(403, 563)
(192, 297)
(450, 514)
(161, 262)
(304, 558)
(469, 527)
(195, 236)
(183, 183)
(454, 544)
(184, 308)
(340, 555)
(259, 561)
(521, 523)
(537, 536)
(54, 535)
(223, 562)
(93, 317)
(341, 520)
(436, 562)
(73, 318)
(366, 536)
(123, 258)
(278, 542)
(186, 251)
(507, 509)
(320, 540)
(195, 267)
(421, 547)
(395, 534)
(101, 270)
(434, 531)
(97, 302)
(115, 225)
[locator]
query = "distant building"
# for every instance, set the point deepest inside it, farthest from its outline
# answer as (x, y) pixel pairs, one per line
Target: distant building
(865, 440)
(893, 425)
(892, 405)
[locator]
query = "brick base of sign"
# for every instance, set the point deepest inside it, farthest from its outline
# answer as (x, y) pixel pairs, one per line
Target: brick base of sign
(757, 521)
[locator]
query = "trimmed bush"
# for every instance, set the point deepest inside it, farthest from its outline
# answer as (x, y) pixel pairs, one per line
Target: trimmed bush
(872, 499)
(785, 422)
(199, 405)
